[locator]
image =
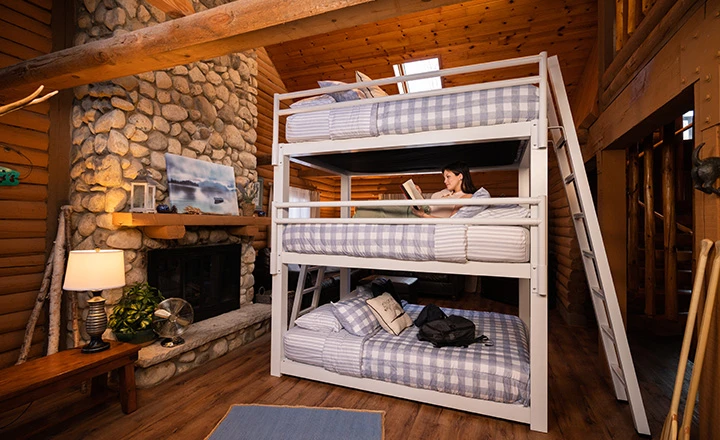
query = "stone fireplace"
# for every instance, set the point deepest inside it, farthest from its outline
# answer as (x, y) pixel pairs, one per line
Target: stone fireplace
(208, 277)
(205, 110)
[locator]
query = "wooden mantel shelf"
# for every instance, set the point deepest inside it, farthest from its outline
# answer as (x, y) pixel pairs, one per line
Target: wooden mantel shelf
(172, 226)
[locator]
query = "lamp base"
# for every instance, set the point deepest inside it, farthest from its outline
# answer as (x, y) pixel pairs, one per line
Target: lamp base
(95, 345)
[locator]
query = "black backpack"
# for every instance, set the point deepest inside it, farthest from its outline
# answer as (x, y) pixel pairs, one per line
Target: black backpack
(447, 331)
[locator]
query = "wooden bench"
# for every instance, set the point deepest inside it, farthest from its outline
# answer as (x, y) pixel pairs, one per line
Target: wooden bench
(27, 382)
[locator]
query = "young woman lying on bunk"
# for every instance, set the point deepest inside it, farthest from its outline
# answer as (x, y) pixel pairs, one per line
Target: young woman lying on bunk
(458, 185)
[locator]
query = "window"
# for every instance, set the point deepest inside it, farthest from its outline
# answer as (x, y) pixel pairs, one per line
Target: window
(687, 119)
(418, 85)
(299, 195)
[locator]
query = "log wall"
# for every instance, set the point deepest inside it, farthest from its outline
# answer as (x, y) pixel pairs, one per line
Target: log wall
(25, 32)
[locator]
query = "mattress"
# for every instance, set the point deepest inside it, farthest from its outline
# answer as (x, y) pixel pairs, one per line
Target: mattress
(501, 244)
(402, 242)
(455, 110)
(451, 243)
(500, 373)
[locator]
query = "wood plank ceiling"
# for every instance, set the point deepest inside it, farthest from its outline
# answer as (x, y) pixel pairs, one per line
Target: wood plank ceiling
(460, 34)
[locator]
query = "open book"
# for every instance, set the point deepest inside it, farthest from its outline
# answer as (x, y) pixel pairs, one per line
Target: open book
(411, 191)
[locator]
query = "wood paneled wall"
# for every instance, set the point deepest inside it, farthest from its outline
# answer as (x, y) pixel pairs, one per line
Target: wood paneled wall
(25, 32)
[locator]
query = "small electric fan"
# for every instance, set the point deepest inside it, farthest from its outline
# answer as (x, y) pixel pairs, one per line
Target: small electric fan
(170, 320)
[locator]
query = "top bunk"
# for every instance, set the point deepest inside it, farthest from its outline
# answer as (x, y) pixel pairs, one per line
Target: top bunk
(486, 124)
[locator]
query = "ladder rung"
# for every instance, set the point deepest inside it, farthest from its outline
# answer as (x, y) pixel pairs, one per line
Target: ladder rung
(618, 373)
(569, 178)
(608, 331)
(560, 144)
(599, 293)
(308, 290)
(588, 254)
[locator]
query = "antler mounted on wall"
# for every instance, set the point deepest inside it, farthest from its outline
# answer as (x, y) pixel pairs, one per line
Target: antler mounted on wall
(28, 100)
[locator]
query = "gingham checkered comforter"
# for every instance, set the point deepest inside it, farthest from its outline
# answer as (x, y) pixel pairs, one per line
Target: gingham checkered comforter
(500, 373)
(459, 110)
(402, 242)
(456, 110)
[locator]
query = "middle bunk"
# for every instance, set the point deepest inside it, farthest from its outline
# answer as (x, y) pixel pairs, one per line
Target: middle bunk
(492, 125)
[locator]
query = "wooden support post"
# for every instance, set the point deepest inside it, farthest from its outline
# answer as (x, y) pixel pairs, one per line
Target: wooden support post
(649, 229)
(612, 218)
(669, 229)
(633, 233)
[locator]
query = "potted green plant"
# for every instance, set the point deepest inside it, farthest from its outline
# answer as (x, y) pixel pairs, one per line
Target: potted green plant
(131, 318)
(247, 198)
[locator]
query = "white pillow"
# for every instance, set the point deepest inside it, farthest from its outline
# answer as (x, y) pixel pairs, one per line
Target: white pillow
(313, 101)
(505, 211)
(388, 312)
(473, 210)
(321, 319)
(372, 91)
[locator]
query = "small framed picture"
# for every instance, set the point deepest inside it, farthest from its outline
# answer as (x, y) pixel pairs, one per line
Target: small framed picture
(259, 195)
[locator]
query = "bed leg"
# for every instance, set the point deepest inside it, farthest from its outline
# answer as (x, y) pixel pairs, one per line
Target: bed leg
(279, 318)
(538, 362)
(524, 300)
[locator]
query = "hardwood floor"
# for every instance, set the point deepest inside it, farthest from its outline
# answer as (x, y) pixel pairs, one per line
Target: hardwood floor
(581, 406)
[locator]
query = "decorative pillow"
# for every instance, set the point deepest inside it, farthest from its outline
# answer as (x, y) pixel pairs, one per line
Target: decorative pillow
(321, 319)
(313, 101)
(355, 316)
(345, 95)
(473, 210)
(392, 317)
(372, 91)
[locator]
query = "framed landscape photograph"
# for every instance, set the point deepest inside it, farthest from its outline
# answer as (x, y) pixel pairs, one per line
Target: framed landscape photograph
(207, 186)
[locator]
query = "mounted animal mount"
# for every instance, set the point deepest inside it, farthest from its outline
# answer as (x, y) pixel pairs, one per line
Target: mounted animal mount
(705, 172)
(26, 101)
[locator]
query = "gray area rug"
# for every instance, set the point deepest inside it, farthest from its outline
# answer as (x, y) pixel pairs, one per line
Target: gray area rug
(263, 422)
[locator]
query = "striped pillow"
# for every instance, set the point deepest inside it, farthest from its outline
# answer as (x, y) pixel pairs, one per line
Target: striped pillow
(321, 319)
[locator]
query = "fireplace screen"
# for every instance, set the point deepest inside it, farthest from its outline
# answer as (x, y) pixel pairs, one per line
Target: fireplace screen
(207, 277)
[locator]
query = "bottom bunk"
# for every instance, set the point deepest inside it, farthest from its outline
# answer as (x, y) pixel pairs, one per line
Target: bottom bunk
(344, 344)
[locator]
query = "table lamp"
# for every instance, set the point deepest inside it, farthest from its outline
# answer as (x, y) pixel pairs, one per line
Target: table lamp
(95, 270)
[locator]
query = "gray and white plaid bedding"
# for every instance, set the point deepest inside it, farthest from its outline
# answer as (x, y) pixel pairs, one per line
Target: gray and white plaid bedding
(500, 373)
(453, 243)
(459, 110)
(342, 353)
(456, 110)
(402, 242)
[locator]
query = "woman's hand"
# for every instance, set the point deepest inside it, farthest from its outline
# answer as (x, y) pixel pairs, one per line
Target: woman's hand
(419, 212)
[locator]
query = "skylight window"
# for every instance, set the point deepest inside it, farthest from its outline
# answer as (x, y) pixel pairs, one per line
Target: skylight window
(418, 85)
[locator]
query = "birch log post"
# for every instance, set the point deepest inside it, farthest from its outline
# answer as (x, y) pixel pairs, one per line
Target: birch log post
(56, 287)
(39, 302)
(72, 295)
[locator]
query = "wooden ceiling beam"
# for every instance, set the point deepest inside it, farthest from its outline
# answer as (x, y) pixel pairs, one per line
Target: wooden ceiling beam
(233, 27)
(174, 8)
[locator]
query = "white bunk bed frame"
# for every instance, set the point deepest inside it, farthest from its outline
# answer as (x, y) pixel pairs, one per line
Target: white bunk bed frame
(532, 191)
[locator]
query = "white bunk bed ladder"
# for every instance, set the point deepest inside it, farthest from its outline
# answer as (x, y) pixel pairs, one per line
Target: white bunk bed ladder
(597, 269)
(301, 291)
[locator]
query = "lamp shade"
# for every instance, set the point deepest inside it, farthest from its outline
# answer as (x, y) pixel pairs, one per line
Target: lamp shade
(95, 270)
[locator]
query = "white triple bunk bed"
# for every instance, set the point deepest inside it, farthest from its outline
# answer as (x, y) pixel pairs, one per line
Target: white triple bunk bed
(525, 137)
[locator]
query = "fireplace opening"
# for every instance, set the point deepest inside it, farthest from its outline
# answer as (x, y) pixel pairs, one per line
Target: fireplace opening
(208, 277)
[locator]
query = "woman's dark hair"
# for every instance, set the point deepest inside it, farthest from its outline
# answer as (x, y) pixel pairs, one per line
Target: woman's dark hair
(458, 168)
